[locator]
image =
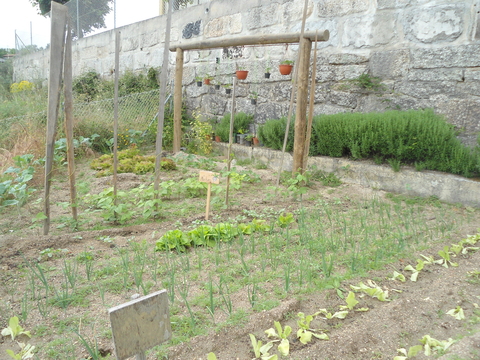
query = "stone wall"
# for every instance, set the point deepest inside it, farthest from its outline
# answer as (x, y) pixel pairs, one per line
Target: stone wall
(426, 53)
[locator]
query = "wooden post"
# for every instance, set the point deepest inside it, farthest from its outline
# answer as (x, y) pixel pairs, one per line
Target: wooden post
(301, 110)
(69, 121)
(308, 136)
(115, 117)
(230, 140)
(161, 109)
(177, 102)
(57, 46)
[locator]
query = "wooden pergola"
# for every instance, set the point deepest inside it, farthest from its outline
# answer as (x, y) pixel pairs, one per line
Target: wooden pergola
(303, 65)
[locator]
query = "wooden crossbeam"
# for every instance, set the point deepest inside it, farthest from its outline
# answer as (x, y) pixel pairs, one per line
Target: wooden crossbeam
(263, 39)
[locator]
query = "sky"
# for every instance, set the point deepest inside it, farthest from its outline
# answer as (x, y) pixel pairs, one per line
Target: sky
(17, 15)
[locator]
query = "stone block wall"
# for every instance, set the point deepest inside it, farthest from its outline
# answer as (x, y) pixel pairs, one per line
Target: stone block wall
(425, 52)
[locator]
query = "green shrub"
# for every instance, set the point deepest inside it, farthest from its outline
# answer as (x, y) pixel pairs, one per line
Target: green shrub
(272, 134)
(400, 137)
(241, 124)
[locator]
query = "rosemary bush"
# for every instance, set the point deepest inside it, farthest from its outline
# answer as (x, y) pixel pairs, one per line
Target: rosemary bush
(414, 137)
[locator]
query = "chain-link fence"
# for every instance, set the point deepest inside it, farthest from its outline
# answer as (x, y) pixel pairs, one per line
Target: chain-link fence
(136, 113)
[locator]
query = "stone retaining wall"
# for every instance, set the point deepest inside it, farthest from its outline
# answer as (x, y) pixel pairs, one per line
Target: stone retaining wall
(446, 187)
(426, 53)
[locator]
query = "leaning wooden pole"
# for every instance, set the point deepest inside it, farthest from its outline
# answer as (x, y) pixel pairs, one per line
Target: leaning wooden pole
(67, 86)
(57, 46)
(161, 106)
(308, 135)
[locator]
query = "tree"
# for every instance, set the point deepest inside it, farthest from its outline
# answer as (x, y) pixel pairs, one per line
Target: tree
(91, 13)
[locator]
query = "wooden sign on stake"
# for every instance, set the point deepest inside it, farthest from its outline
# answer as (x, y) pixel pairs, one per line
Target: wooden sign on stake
(140, 324)
(210, 178)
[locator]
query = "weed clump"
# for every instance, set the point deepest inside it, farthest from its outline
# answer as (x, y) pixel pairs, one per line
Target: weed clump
(129, 161)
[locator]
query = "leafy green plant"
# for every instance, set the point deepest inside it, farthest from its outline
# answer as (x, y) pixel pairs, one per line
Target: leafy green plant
(412, 352)
(457, 313)
(16, 190)
(328, 315)
(445, 258)
(282, 334)
(415, 270)
(351, 303)
(285, 219)
(260, 350)
(373, 290)
(14, 329)
(304, 332)
(431, 345)
(26, 352)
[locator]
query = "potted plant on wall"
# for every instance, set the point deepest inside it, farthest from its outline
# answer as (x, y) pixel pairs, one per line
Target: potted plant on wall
(207, 79)
(267, 72)
(253, 97)
(285, 67)
(228, 88)
(241, 73)
(248, 139)
(199, 80)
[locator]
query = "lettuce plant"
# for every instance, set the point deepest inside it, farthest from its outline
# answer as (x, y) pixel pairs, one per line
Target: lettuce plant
(14, 329)
(305, 333)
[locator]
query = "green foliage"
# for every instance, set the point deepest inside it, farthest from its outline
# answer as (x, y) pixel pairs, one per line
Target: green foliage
(90, 86)
(129, 161)
(398, 137)
(206, 235)
(87, 85)
(14, 329)
(368, 82)
(272, 134)
(15, 189)
(199, 137)
(241, 124)
(91, 13)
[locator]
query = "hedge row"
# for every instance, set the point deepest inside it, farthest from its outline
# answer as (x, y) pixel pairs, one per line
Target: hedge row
(415, 137)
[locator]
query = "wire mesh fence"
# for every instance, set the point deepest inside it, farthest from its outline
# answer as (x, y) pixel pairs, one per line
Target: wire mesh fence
(136, 113)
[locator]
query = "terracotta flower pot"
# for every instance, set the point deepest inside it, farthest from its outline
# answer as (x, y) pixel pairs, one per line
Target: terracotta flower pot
(285, 69)
(206, 81)
(241, 74)
(217, 138)
(255, 141)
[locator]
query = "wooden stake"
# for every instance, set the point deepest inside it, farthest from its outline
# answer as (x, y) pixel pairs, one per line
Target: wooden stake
(69, 121)
(230, 139)
(292, 97)
(301, 110)
(177, 102)
(115, 118)
(209, 191)
(308, 136)
(161, 108)
(57, 46)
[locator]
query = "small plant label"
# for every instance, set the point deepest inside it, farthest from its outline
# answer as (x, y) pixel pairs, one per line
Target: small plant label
(210, 178)
(140, 324)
